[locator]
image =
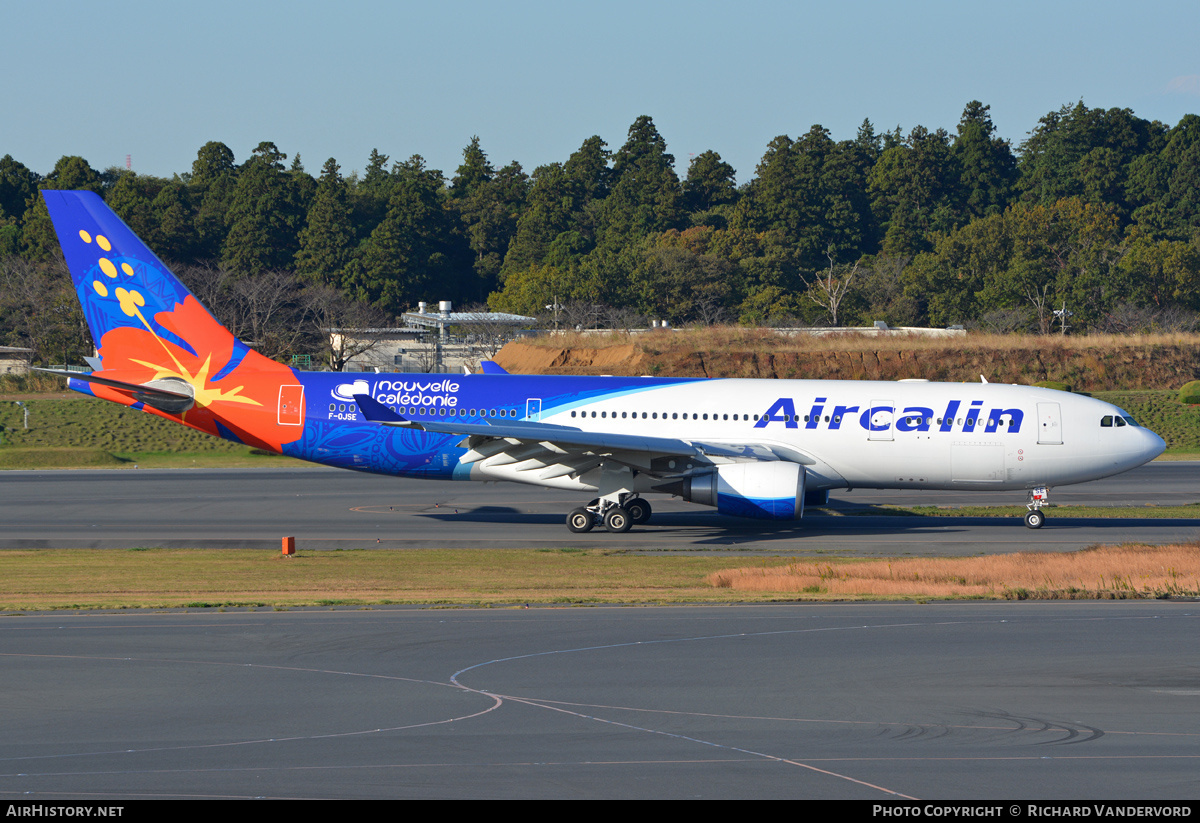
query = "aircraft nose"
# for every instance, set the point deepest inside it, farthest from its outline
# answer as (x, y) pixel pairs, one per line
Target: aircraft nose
(1151, 445)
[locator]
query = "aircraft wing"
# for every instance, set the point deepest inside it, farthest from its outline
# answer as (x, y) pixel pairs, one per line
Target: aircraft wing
(569, 439)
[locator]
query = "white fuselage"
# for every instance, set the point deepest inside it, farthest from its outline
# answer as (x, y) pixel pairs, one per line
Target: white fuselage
(903, 435)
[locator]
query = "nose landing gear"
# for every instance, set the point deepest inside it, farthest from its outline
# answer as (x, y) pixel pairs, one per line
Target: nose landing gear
(1034, 519)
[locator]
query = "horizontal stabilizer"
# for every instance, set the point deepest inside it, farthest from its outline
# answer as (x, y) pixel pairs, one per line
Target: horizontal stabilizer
(375, 412)
(174, 400)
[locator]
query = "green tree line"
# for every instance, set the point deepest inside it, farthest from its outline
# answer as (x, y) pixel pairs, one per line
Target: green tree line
(1094, 217)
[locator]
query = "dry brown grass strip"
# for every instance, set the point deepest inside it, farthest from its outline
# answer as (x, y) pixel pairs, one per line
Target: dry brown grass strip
(1106, 572)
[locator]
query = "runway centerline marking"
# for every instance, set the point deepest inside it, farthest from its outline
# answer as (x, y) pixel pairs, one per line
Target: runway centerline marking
(496, 703)
(558, 706)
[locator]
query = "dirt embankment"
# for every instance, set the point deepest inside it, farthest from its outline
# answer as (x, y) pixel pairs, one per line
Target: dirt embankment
(1106, 365)
(523, 358)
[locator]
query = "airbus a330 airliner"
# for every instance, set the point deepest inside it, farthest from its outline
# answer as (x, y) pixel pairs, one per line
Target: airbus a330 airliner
(753, 448)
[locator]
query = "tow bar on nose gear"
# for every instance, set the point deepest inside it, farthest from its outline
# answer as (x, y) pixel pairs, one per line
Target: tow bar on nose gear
(1034, 518)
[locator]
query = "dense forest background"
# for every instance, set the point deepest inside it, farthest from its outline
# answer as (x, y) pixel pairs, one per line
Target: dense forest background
(1092, 222)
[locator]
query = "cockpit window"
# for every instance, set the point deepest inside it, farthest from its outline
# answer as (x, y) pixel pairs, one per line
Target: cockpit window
(1118, 420)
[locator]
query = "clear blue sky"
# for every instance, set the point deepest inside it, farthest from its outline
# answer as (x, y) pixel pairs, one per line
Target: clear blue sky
(534, 79)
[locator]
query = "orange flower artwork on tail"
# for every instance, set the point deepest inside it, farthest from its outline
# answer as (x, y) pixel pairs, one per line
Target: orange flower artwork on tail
(239, 398)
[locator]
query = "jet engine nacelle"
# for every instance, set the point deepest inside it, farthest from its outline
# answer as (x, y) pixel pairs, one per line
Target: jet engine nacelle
(770, 491)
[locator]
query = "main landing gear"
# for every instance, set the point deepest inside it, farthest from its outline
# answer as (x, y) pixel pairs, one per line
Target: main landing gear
(1034, 519)
(616, 515)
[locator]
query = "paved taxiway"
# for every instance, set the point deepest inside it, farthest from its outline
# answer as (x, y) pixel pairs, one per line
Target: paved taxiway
(872, 701)
(328, 508)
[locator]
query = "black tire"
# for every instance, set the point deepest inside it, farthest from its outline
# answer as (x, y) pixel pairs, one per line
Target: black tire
(580, 520)
(617, 520)
(1034, 519)
(639, 510)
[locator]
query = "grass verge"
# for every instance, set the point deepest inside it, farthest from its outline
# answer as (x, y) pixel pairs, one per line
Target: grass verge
(68, 457)
(49, 579)
(60, 457)
(74, 421)
(178, 578)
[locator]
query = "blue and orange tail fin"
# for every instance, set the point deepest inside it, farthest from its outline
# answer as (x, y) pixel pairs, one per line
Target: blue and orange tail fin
(120, 282)
(151, 332)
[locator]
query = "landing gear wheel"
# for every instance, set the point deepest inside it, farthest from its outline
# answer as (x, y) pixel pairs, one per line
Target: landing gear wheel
(1034, 519)
(617, 520)
(580, 520)
(639, 510)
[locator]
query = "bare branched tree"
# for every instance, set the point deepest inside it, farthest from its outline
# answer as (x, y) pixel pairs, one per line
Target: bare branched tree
(830, 288)
(710, 308)
(425, 353)
(1004, 321)
(581, 314)
(39, 310)
(1039, 297)
(267, 310)
(212, 285)
(622, 318)
(271, 312)
(1128, 318)
(341, 328)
